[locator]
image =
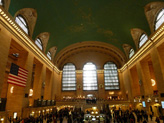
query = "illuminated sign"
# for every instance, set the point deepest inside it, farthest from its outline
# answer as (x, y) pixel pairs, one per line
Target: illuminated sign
(162, 103)
(143, 104)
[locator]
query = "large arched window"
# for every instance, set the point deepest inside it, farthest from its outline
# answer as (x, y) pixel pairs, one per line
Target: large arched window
(38, 42)
(159, 19)
(142, 39)
(89, 77)
(1, 2)
(69, 77)
(49, 55)
(131, 52)
(22, 23)
(111, 76)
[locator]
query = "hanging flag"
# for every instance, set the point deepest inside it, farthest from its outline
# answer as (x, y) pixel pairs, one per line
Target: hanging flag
(17, 75)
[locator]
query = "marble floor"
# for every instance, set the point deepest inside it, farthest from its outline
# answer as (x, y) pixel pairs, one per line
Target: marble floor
(149, 121)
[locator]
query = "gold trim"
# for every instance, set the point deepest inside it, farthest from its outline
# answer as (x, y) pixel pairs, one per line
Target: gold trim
(6, 19)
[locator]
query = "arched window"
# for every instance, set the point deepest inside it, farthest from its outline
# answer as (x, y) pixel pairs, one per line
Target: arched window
(111, 76)
(49, 55)
(1, 2)
(89, 77)
(131, 52)
(69, 77)
(38, 42)
(22, 23)
(143, 39)
(160, 19)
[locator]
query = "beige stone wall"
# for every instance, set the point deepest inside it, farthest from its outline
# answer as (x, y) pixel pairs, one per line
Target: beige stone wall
(149, 65)
(101, 93)
(135, 82)
(43, 73)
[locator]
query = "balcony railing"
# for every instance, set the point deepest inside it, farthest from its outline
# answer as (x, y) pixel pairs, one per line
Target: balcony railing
(43, 103)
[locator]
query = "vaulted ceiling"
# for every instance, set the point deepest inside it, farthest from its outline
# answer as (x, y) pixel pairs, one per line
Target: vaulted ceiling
(72, 21)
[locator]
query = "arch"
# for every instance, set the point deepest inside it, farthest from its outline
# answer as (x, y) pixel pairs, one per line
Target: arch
(44, 37)
(49, 55)
(131, 52)
(89, 77)
(159, 19)
(19, 19)
(142, 40)
(151, 11)
(52, 50)
(111, 79)
(86, 47)
(39, 43)
(1, 2)
(30, 15)
(69, 77)
(136, 35)
(127, 49)
(5, 4)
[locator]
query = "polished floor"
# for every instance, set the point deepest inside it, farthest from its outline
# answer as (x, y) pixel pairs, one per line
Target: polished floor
(65, 121)
(153, 121)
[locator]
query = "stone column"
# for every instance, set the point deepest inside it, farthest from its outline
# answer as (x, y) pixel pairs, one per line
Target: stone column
(57, 86)
(5, 40)
(122, 86)
(29, 68)
(38, 80)
(127, 84)
(101, 90)
(157, 70)
(48, 85)
(79, 84)
(144, 77)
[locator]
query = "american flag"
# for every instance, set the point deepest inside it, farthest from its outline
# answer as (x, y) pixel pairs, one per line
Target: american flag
(17, 75)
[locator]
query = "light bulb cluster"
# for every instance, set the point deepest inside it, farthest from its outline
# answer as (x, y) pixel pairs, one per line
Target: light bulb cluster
(25, 38)
(147, 45)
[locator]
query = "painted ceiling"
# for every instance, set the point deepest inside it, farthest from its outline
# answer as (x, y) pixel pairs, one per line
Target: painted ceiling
(72, 21)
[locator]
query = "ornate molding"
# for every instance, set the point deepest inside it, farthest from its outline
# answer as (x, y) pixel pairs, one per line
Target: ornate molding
(53, 51)
(30, 16)
(127, 48)
(44, 37)
(90, 46)
(136, 34)
(151, 11)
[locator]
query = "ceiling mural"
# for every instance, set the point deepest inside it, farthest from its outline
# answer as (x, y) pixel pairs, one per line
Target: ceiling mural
(72, 21)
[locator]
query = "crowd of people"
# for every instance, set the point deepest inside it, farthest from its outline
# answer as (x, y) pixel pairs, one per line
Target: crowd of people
(77, 116)
(133, 116)
(71, 116)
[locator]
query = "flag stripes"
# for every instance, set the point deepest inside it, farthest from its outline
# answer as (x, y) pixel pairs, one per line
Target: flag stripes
(17, 76)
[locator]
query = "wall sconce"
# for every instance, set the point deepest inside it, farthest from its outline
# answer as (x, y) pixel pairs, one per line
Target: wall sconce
(12, 89)
(111, 93)
(153, 82)
(30, 92)
(2, 119)
(94, 108)
(149, 99)
(156, 100)
(92, 112)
